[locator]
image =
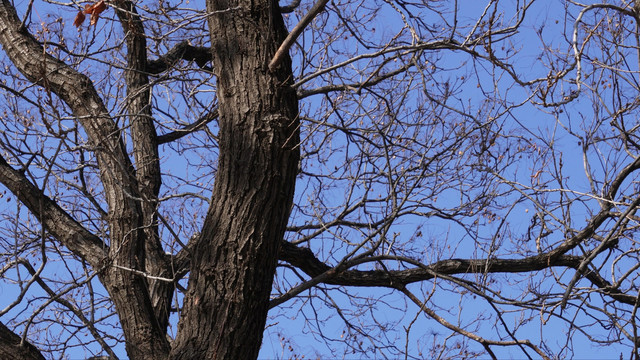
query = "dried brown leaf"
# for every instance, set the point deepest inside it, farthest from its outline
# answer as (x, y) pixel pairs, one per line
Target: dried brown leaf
(95, 10)
(79, 19)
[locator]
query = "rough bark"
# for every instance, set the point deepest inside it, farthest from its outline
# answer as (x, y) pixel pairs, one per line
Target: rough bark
(12, 347)
(147, 160)
(128, 291)
(182, 51)
(232, 270)
(57, 221)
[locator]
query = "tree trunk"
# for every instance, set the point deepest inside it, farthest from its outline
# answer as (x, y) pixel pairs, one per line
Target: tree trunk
(128, 291)
(147, 159)
(12, 347)
(234, 261)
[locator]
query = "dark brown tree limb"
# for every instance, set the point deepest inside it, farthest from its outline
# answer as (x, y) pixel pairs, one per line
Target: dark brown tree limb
(305, 260)
(12, 346)
(57, 221)
(195, 126)
(201, 55)
(235, 256)
(147, 159)
(145, 338)
(357, 87)
(75, 89)
(293, 35)
(290, 7)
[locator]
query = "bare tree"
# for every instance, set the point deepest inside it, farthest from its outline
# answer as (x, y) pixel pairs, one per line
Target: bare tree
(181, 178)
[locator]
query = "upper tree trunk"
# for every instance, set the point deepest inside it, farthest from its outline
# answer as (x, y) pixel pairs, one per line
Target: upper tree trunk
(147, 159)
(128, 291)
(12, 347)
(234, 261)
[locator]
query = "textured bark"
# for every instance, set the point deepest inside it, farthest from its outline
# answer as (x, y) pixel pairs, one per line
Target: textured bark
(232, 270)
(147, 160)
(128, 291)
(306, 261)
(12, 347)
(182, 51)
(57, 221)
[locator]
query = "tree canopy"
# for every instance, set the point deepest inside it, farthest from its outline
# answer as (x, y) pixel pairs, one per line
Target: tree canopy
(380, 178)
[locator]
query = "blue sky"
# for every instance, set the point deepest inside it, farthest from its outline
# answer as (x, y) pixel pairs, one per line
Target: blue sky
(311, 325)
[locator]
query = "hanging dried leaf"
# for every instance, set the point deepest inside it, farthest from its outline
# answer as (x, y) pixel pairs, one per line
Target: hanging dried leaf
(94, 10)
(79, 19)
(98, 7)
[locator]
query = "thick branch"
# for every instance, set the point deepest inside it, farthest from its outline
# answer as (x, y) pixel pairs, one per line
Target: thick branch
(305, 260)
(78, 92)
(291, 7)
(199, 124)
(57, 221)
(145, 338)
(12, 347)
(303, 93)
(147, 159)
(182, 51)
(293, 35)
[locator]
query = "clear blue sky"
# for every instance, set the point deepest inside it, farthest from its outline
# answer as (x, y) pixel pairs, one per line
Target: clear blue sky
(293, 327)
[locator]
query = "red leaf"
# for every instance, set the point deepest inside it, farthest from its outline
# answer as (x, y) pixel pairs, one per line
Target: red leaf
(99, 7)
(79, 19)
(95, 10)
